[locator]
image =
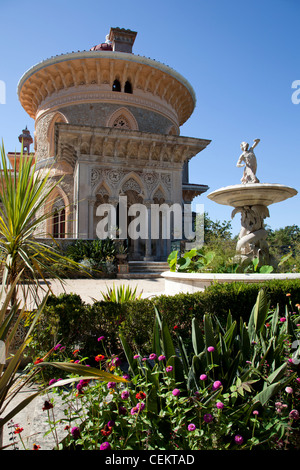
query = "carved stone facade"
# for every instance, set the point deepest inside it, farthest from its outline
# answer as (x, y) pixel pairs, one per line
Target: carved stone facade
(109, 121)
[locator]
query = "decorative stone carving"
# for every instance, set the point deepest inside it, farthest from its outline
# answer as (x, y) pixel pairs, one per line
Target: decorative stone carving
(248, 160)
(131, 185)
(252, 237)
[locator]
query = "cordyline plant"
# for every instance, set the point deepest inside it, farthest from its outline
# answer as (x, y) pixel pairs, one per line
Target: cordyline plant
(24, 262)
(24, 197)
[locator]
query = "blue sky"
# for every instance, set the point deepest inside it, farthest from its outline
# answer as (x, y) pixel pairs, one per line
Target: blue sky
(240, 57)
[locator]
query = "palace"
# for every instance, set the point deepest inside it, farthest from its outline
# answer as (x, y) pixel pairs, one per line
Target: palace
(108, 121)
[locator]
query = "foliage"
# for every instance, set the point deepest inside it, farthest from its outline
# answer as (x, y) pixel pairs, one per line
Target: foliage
(24, 197)
(236, 389)
(67, 319)
(121, 294)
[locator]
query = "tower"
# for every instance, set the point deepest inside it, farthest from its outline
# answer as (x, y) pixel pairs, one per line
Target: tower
(109, 122)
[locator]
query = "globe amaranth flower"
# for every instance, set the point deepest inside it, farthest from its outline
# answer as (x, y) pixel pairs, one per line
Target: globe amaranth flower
(282, 319)
(176, 392)
(203, 377)
(152, 356)
(210, 349)
(238, 439)
(191, 427)
(217, 384)
(220, 405)
(294, 414)
(105, 446)
(75, 432)
(125, 394)
(169, 369)
(208, 418)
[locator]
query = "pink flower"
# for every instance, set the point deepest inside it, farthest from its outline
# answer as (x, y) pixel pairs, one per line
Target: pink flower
(169, 369)
(208, 418)
(282, 319)
(111, 385)
(105, 446)
(152, 356)
(210, 349)
(75, 432)
(124, 394)
(220, 405)
(176, 392)
(161, 357)
(203, 377)
(294, 414)
(191, 427)
(217, 384)
(289, 390)
(101, 338)
(136, 356)
(238, 439)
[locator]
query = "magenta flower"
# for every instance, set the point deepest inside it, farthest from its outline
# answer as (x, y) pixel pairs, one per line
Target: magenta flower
(111, 385)
(217, 384)
(191, 427)
(122, 410)
(136, 356)
(210, 349)
(110, 424)
(101, 338)
(52, 381)
(57, 347)
(124, 394)
(176, 392)
(75, 432)
(134, 410)
(116, 361)
(141, 406)
(105, 446)
(169, 369)
(203, 377)
(294, 414)
(208, 418)
(220, 405)
(238, 439)
(161, 357)
(282, 319)
(152, 356)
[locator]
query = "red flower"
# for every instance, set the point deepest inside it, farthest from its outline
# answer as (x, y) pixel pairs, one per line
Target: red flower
(106, 431)
(18, 430)
(175, 327)
(36, 447)
(47, 406)
(38, 360)
(140, 395)
(99, 358)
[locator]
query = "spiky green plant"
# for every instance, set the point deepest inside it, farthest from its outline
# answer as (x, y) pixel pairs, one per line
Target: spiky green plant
(121, 294)
(24, 196)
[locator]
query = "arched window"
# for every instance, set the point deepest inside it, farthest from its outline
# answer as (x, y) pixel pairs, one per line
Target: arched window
(116, 86)
(128, 87)
(59, 220)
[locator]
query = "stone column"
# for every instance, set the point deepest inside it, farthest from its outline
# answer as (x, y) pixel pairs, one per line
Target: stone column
(91, 202)
(148, 250)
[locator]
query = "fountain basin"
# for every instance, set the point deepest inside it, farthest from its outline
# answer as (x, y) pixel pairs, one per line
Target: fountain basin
(188, 283)
(252, 194)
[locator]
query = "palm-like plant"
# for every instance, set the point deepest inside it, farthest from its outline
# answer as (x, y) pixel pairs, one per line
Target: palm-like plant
(24, 197)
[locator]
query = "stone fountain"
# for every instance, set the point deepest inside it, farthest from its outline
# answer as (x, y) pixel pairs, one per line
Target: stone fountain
(252, 199)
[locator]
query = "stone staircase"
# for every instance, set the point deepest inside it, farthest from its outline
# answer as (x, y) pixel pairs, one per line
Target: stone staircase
(145, 269)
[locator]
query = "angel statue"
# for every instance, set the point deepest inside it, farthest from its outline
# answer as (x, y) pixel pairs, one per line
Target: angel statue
(248, 160)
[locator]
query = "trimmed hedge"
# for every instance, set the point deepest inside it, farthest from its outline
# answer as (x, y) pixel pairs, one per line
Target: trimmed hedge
(67, 319)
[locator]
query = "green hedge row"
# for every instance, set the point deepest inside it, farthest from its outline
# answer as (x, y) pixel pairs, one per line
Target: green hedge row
(68, 320)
